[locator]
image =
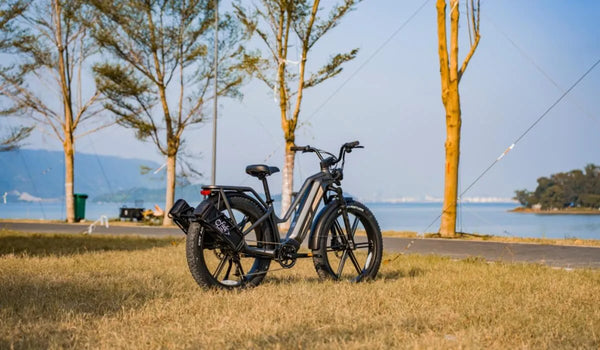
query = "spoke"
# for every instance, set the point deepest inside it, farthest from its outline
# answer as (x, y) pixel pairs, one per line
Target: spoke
(228, 270)
(240, 270)
(220, 267)
(355, 262)
(341, 234)
(342, 262)
(362, 245)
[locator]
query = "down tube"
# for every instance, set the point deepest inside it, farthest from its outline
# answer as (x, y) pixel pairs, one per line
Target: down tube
(306, 212)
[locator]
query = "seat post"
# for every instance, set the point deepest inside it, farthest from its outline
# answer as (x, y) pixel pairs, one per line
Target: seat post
(267, 192)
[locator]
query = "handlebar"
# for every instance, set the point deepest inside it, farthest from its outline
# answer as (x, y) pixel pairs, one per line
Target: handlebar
(346, 148)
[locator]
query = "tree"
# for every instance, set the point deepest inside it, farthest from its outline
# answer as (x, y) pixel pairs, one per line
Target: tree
(451, 74)
(524, 197)
(160, 56)
(12, 141)
(45, 47)
(278, 24)
(575, 188)
(592, 179)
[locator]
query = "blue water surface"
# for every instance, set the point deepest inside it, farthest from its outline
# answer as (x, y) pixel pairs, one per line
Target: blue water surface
(479, 218)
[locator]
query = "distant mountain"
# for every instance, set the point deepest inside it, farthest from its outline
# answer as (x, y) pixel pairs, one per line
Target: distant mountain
(40, 173)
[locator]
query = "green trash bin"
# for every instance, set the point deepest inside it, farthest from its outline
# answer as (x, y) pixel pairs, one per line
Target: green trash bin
(79, 200)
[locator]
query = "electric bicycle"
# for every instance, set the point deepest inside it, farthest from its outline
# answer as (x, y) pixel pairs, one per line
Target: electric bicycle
(232, 235)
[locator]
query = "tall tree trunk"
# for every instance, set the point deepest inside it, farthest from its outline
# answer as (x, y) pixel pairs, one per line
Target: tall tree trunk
(287, 182)
(170, 192)
(172, 148)
(69, 151)
(452, 146)
(68, 143)
(449, 74)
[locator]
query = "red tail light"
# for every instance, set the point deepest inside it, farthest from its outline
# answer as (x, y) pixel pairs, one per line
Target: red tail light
(205, 192)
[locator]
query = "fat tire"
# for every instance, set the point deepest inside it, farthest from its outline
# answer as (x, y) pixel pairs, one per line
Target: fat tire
(373, 232)
(197, 235)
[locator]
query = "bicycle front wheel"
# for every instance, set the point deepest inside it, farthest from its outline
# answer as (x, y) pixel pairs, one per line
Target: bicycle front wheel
(350, 244)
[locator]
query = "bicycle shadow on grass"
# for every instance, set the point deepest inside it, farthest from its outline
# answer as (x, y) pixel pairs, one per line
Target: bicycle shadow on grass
(42, 245)
(391, 275)
(387, 275)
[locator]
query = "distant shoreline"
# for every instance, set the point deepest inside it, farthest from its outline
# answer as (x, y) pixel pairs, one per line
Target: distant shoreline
(568, 211)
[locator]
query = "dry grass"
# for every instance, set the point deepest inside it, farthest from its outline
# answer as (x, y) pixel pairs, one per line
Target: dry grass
(142, 296)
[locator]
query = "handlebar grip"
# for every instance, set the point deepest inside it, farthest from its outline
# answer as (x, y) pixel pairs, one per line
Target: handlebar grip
(351, 144)
(299, 148)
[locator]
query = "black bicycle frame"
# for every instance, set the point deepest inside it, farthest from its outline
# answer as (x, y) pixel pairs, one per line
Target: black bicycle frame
(306, 201)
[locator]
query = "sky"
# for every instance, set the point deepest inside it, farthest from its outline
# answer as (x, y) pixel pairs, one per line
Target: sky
(530, 52)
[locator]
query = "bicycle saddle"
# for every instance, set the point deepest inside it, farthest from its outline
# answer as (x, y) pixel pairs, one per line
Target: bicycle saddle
(261, 170)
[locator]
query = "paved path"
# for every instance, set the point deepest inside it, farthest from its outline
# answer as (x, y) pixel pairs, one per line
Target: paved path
(553, 255)
(80, 228)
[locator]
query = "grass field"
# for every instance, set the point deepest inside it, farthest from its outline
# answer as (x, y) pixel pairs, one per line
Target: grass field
(69, 291)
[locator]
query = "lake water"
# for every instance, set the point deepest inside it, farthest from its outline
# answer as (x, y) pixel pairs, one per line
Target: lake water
(473, 218)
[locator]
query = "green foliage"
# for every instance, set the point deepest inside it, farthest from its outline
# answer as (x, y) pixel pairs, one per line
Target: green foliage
(160, 54)
(573, 189)
(35, 45)
(278, 23)
(331, 69)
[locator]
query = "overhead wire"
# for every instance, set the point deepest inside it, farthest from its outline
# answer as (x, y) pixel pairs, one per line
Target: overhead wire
(512, 146)
(389, 39)
(360, 68)
(537, 66)
(542, 116)
(367, 61)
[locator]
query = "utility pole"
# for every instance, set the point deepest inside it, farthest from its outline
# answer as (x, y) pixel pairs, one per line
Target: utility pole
(216, 68)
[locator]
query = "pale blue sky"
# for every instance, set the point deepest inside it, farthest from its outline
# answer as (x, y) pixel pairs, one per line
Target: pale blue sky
(393, 105)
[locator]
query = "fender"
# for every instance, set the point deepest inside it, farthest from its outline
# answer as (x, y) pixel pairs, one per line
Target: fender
(317, 226)
(201, 210)
(219, 226)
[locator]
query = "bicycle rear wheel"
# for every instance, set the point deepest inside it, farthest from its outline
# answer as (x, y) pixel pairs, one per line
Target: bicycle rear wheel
(350, 244)
(214, 264)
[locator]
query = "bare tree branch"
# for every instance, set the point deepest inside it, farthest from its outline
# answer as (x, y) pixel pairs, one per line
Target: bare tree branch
(98, 128)
(468, 57)
(14, 139)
